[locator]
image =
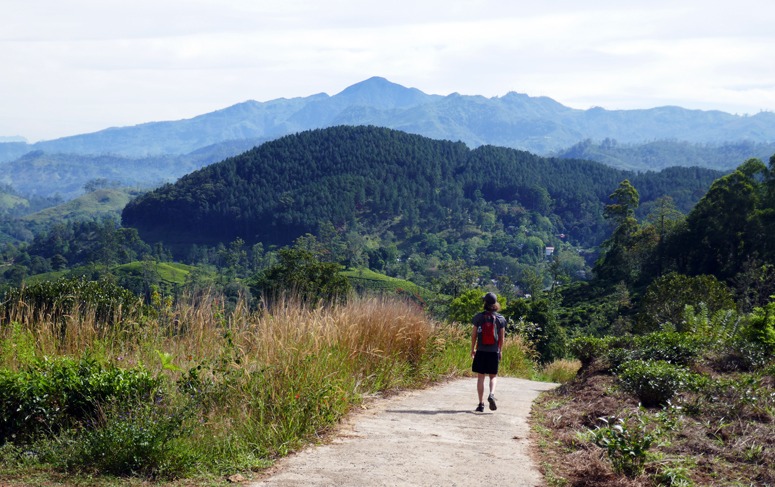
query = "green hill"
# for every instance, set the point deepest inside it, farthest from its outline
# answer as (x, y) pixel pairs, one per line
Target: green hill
(10, 202)
(97, 204)
(365, 281)
(380, 180)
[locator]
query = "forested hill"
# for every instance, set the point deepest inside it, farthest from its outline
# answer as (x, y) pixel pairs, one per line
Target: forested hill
(378, 179)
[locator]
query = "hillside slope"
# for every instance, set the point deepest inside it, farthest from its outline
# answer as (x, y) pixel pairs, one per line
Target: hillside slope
(379, 179)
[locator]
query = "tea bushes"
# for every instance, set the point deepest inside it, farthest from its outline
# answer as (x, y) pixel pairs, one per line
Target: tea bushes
(49, 396)
(655, 382)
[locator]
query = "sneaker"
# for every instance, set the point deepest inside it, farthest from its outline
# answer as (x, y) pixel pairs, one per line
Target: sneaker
(491, 400)
(480, 408)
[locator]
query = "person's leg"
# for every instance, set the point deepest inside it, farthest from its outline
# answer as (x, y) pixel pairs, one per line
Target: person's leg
(491, 397)
(480, 387)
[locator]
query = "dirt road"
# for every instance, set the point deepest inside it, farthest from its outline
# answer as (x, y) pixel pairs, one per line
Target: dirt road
(425, 438)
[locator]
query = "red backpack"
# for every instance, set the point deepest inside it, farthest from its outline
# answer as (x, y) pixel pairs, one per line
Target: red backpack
(488, 330)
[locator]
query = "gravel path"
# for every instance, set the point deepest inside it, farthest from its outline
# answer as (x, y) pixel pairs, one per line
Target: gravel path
(423, 438)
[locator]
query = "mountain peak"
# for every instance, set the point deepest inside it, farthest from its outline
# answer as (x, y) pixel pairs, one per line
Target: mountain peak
(380, 93)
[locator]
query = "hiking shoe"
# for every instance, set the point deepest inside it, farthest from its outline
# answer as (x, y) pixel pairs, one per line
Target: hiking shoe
(480, 408)
(491, 400)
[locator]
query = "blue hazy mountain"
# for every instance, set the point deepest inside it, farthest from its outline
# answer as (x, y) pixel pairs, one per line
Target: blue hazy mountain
(536, 124)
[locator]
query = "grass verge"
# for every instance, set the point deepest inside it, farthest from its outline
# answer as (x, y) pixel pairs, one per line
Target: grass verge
(222, 393)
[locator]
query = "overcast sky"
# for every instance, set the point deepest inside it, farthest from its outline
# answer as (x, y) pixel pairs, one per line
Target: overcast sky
(77, 66)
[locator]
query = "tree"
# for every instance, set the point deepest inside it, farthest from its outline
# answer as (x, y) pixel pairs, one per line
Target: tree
(299, 274)
(455, 276)
(665, 219)
(718, 235)
(465, 305)
(617, 262)
(666, 298)
(540, 327)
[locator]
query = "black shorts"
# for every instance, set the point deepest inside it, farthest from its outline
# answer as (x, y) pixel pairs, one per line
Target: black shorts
(485, 363)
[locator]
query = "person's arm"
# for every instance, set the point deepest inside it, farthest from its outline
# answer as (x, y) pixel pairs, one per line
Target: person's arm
(473, 340)
(501, 337)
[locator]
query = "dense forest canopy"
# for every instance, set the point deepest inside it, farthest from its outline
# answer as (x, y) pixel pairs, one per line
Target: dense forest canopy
(381, 179)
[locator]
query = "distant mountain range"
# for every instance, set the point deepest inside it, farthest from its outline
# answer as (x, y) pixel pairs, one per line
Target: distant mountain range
(535, 124)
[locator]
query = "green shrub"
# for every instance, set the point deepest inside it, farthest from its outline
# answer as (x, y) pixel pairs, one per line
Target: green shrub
(740, 355)
(760, 327)
(68, 296)
(654, 382)
(463, 307)
(667, 296)
(133, 439)
(616, 356)
(673, 347)
(626, 444)
(588, 349)
(52, 395)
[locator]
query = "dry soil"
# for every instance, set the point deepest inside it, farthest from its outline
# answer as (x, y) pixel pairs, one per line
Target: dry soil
(425, 438)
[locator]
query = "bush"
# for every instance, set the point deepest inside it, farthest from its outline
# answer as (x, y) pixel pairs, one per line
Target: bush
(68, 296)
(626, 444)
(676, 348)
(466, 305)
(50, 396)
(540, 327)
(137, 439)
(654, 382)
(760, 327)
(667, 296)
(588, 349)
(615, 357)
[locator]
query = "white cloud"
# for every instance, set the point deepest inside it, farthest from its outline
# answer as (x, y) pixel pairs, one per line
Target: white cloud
(82, 65)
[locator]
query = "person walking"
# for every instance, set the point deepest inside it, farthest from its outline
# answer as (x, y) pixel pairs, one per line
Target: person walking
(486, 345)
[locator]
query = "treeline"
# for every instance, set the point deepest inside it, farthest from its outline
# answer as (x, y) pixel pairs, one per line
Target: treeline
(653, 271)
(386, 180)
(728, 231)
(659, 154)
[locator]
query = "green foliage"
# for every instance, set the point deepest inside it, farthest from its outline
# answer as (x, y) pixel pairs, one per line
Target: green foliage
(618, 261)
(141, 439)
(48, 396)
(654, 382)
(615, 357)
(300, 274)
(626, 444)
(729, 225)
(366, 281)
(666, 298)
(378, 178)
(538, 325)
(66, 296)
(18, 347)
(672, 347)
(760, 326)
(94, 205)
(89, 242)
(588, 349)
(463, 308)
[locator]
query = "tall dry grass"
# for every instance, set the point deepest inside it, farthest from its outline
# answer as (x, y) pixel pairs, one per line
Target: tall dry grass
(257, 384)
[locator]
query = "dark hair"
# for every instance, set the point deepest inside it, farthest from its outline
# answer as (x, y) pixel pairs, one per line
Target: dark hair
(491, 302)
(496, 306)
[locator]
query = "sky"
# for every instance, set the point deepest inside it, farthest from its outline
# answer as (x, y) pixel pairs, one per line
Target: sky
(79, 66)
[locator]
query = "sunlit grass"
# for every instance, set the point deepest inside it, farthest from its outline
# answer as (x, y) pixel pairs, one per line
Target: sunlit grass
(559, 371)
(251, 385)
